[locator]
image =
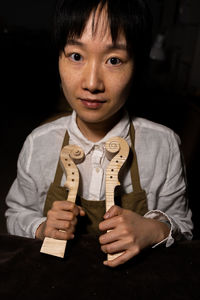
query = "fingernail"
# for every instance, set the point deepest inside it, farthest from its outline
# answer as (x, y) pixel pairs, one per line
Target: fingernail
(107, 215)
(105, 263)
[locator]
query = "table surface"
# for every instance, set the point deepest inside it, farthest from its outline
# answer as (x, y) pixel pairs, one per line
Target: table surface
(159, 273)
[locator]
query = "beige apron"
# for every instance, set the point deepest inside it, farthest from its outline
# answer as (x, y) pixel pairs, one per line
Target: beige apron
(95, 210)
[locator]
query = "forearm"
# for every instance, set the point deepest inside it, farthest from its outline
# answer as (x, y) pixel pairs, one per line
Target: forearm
(23, 224)
(24, 213)
(180, 225)
(160, 231)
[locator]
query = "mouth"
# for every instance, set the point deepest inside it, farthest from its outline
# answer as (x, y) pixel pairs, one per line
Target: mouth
(92, 103)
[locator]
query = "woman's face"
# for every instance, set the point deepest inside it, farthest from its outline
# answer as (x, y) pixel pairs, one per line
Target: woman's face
(96, 74)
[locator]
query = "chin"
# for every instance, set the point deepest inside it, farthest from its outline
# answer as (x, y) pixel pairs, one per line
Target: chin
(93, 120)
(92, 117)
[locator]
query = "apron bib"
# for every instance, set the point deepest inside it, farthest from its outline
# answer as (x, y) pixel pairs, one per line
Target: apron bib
(95, 210)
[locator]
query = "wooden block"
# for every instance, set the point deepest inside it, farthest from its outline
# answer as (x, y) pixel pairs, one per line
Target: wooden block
(54, 247)
(113, 256)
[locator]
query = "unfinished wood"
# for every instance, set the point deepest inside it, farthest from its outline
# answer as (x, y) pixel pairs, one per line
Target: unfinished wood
(69, 155)
(120, 148)
(54, 247)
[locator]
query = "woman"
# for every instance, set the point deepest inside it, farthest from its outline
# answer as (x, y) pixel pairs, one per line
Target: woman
(103, 47)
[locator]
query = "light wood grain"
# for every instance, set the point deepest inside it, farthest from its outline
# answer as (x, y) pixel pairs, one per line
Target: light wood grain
(120, 148)
(69, 155)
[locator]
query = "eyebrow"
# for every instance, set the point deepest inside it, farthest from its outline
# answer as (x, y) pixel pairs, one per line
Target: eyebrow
(113, 46)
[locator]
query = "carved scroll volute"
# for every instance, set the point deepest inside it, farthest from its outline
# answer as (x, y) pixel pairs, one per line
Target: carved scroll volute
(69, 155)
(120, 148)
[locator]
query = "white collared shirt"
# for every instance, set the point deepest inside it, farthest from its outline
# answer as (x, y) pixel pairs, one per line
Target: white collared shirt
(159, 162)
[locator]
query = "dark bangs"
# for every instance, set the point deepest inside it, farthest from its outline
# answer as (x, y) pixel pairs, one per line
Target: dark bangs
(70, 19)
(129, 16)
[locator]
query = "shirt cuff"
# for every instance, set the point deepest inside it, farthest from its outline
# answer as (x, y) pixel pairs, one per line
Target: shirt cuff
(35, 226)
(162, 217)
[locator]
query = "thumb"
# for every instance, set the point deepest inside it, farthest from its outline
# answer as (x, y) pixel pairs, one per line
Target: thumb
(113, 211)
(81, 211)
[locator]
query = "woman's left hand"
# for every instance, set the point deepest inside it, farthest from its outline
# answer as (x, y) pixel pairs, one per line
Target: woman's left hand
(129, 233)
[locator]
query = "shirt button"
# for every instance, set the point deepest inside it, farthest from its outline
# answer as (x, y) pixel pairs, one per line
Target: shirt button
(97, 170)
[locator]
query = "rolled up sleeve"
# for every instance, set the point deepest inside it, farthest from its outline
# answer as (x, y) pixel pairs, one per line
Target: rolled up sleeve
(23, 213)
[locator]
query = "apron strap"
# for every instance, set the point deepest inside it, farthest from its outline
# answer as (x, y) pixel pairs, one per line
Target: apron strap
(135, 178)
(59, 171)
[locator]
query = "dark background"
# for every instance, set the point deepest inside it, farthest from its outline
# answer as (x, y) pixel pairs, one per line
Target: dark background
(30, 83)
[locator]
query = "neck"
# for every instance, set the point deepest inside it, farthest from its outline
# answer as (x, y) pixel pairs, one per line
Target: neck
(94, 132)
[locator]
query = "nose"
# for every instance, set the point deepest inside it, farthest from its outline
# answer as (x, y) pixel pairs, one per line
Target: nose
(93, 78)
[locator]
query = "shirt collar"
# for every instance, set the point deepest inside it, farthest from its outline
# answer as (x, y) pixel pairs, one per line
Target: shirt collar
(121, 129)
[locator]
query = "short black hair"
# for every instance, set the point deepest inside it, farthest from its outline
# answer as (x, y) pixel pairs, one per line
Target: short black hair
(132, 17)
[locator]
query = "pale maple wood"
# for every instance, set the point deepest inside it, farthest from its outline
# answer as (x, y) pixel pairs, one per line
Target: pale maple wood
(69, 155)
(120, 148)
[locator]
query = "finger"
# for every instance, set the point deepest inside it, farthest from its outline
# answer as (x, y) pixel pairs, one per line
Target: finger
(66, 225)
(114, 247)
(63, 205)
(109, 237)
(58, 234)
(63, 235)
(66, 211)
(60, 225)
(108, 224)
(66, 215)
(111, 223)
(113, 211)
(124, 257)
(53, 216)
(71, 206)
(76, 210)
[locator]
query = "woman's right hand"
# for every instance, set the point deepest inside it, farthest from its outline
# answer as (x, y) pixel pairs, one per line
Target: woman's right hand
(61, 221)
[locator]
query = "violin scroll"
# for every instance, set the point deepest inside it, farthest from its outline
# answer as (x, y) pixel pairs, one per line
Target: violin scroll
(121, 148)
(69, 155)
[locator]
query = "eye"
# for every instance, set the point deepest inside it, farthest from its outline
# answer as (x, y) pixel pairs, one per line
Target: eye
(114, 61)
(76, 56)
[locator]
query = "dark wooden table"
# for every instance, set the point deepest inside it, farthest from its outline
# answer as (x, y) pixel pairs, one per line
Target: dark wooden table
(160, 273)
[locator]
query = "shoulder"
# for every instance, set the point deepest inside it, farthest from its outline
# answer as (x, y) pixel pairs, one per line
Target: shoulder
(55, 126)
(44, 142)
(141, 123)
(154, 133)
